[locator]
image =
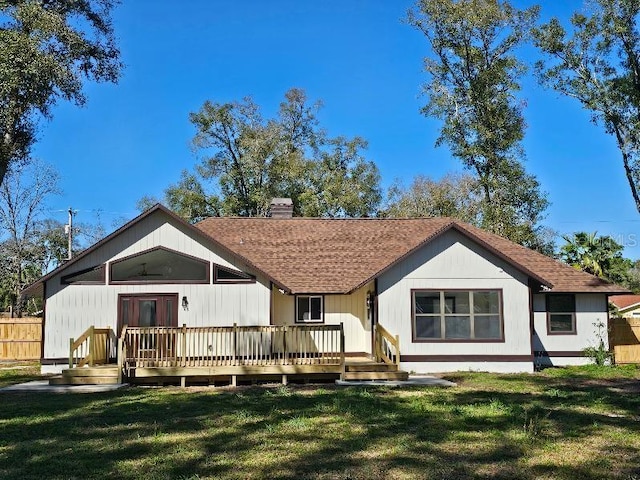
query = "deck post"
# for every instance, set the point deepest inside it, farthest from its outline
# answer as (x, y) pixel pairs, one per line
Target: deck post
(184, 345)
(285, 380)
(234, 380)
(285, 358)
(92, 345)
(71, 352)
(398, 350)
(343, 363)
(119, 359)
(235, 347)
(183, 382)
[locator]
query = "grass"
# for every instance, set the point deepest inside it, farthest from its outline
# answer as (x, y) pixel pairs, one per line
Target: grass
(12, 373)
(558, 424)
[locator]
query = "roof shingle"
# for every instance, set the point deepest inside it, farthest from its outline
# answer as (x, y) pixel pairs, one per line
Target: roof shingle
(311, 255)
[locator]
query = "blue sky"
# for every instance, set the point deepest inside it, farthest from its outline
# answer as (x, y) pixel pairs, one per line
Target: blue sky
(357, 56)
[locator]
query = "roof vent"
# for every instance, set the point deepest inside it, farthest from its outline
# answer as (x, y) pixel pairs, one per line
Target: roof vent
(281, 208)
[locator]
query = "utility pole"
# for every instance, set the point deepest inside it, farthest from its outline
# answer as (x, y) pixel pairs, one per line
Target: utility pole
(69, 229)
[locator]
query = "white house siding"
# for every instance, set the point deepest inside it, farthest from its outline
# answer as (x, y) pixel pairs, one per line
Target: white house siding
(452, 261)
(350, 310)
(559, 350)
(71, 309)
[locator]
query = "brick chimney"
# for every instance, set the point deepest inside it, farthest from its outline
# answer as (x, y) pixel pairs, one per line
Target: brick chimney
(281, 208)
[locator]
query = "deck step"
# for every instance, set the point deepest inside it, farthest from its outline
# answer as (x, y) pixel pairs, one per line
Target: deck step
(371, 367)
(62, 380)
(395, 376)
(101, 371)
(98, 375)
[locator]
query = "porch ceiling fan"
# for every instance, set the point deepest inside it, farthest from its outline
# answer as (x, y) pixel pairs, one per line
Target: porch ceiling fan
(143, 272)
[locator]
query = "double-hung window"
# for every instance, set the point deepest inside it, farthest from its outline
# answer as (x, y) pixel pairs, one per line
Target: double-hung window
(561, 314)
(309, 309)
(457, 315)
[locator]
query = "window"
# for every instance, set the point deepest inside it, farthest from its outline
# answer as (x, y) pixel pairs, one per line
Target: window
(457, 315)
(309, 309)
(88, 276)
(561, 314)
(226, 275)
(159, 265)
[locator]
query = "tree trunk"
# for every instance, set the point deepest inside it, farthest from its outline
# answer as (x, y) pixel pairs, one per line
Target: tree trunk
(631, 174)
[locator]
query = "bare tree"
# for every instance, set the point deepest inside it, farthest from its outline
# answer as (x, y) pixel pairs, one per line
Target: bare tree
(22, 199)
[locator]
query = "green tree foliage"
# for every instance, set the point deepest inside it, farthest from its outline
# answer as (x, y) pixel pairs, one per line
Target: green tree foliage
(252, 160)
(633, 277)
(47, 49)
(598, 63)
(474, 77)
(600, 256)
(456, 196)
(187, 198)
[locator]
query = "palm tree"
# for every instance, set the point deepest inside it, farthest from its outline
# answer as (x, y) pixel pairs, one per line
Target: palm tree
(590, 253)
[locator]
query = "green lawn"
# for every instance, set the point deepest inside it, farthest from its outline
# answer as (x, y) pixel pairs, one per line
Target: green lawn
(562, 424)
(18, 373)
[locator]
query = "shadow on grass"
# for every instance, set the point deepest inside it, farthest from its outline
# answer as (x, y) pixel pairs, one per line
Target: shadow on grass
(323, 432)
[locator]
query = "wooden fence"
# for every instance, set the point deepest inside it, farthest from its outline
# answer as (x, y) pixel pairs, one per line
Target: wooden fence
(20, 338)
(624, 340)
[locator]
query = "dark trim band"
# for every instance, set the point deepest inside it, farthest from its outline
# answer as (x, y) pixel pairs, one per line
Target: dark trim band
(466, 358)
(559, 353)
(54, 361)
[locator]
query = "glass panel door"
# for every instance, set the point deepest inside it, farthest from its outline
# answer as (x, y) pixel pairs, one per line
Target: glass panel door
(148, 310)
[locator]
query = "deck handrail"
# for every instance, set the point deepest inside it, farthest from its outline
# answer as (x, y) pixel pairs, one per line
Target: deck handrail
(387, 346)
(236, 345)
(82, 351)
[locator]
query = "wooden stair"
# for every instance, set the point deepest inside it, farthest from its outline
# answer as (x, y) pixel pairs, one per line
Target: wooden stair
(363, 371)
(97, 375)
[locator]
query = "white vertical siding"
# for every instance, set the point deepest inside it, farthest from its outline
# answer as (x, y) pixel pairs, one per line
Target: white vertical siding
(591, 308)
(71, 309)
(452, 261)
(350, 310)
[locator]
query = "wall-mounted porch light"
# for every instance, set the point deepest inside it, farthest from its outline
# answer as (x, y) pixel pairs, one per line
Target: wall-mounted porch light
(185, 303)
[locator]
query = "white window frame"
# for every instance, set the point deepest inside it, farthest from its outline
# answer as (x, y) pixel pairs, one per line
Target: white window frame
(308, 299)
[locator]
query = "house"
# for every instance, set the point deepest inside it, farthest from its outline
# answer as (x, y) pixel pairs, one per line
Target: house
(429, 295)
(628, 305)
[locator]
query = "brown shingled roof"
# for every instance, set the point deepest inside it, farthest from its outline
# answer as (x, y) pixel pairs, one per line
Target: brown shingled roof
(310, 255)
(624, 301)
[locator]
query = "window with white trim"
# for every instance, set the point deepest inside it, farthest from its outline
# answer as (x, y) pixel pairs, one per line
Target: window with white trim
(309, 309)
(457, 315)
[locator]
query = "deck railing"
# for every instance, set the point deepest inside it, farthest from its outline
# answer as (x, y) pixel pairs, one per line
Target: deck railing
(387, 346)
(93, 347)
(231, 346)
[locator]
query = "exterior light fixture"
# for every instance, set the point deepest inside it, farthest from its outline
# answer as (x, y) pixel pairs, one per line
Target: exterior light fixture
(185, 303)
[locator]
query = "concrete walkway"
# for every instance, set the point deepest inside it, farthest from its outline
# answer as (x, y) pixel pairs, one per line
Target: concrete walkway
(423, 380)
(37, 386)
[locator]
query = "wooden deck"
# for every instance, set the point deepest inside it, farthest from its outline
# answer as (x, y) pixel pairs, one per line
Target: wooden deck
(235, 351)
(226, 355)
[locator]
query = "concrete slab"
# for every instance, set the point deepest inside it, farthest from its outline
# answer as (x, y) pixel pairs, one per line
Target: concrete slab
(43, 386)
(423, 380)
